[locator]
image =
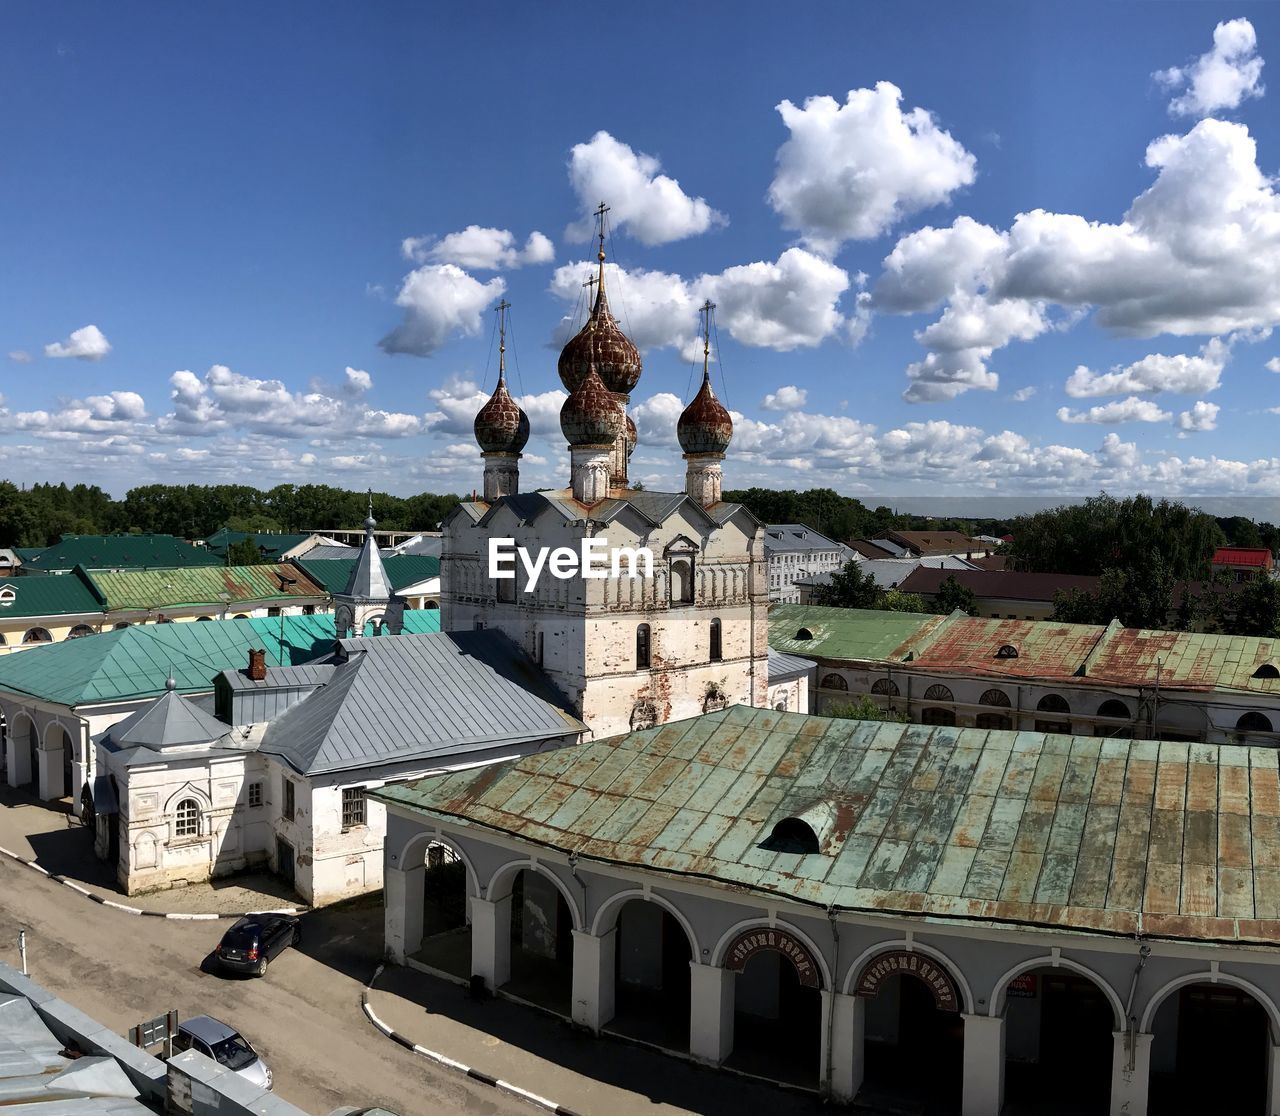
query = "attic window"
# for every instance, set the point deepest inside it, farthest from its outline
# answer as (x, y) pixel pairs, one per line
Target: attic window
(1266, 670)
(7, 596)
(792, 835)
(1007, 651)
(804, 633)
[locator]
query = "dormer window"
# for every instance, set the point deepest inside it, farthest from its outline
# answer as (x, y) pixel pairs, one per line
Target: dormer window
(804, 633)
(792, 835)
(7, 595)
(1007, 651)
(1266, 670)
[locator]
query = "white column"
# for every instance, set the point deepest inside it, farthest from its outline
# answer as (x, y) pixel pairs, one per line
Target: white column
(593, 978)
(18, 761)
(402, 919)
(848, 1045)
(710, 1012)
(491, 941)
(50, 775)
(983, 1065)
(1273, 1080)
(1129, 1086)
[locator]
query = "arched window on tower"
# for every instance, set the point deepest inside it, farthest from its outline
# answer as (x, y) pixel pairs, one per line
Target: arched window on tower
(716, 650)
(187, 822)
(642, 647)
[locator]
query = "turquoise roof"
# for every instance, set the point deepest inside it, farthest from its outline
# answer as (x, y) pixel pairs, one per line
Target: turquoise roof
(134, 662)
(334, 574)
(119, 552)
(63, 595)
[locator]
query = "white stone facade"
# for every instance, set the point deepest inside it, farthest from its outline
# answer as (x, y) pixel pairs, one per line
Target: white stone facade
(586, 634)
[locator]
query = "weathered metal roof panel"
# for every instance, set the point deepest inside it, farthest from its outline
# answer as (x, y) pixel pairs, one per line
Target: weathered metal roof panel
(848, 633)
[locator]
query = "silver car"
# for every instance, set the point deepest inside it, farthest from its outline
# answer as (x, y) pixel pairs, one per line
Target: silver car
(225, 1045)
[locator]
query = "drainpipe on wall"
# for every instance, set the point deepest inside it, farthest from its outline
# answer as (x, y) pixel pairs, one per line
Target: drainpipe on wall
(831, 1014)
(1131, 1022)
(573, 871)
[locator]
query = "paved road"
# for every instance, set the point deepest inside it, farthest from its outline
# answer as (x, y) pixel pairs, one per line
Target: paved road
(304, 1017)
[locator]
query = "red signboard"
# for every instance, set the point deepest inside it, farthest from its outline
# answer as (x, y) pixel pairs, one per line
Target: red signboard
(1022, 987)
(750, 942)
(906, 963)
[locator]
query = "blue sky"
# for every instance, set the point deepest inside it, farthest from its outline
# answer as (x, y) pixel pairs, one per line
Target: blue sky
(1043, 259)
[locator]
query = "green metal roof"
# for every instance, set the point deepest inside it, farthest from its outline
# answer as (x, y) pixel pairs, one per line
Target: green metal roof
(271, 545)
(403, 569)
(847, 633)
(1116, 837)
(213, 587)
(63, 595)
(119, 552)
(134, 662)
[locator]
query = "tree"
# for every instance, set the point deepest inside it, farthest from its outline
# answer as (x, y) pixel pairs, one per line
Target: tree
(894, 600)
(951, 595)
(1258, 608)
(865, 709)
(849, 588)
(244, 552)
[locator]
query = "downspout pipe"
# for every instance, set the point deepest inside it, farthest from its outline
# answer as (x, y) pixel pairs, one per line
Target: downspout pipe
(1131, 1022)
(829, 1038)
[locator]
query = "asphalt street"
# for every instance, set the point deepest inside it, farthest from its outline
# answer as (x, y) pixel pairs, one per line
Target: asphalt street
(304, 1017)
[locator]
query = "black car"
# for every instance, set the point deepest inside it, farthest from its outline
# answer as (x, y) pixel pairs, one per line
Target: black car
(255, 940)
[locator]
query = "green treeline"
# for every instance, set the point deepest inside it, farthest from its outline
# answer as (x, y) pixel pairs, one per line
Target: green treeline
(43, 513)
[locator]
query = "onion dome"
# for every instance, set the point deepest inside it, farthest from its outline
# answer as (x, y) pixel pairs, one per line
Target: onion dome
(601, 342)
(705, 426)
(501, 426)
(631, 435)
(591, 415)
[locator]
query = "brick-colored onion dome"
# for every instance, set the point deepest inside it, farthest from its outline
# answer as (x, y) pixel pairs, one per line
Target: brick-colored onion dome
(601, 342)
(591, 415)
(632, 436)
(501, 426)
(705, 426)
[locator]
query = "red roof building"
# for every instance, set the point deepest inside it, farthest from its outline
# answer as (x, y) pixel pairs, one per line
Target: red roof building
(1245, 562)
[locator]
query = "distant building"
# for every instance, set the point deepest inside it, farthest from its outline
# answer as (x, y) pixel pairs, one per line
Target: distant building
(1242, 563)
(1006, 594)
(928, 544)
(795, 552)
(272, 547)
(889, 573)
(116, 553)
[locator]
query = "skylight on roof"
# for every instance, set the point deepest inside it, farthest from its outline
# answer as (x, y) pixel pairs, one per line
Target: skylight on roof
(1007, 651)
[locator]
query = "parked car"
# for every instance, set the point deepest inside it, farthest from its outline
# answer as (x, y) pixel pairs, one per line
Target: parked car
(256, 940)
(225, 1046)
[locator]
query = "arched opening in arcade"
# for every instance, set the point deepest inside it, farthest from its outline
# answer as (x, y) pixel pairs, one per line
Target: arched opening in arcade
(651, 986)
(939, 714)
(991, 701)
(541, 943)
(1058, 1043)
(777, 1006)
(22, 752)
(1210, 1052)
(441, 876)
(912, 1018)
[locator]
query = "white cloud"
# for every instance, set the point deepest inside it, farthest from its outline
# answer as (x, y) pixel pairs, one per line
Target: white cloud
(926, 266)
(1202, 416)
(1181, 373)
(356, 382)
(853, 171)
(1220, 79)
(439, 300)
(1023, 394)
(20, 356)
(651, 206)
(788, 398)
(225, 399)
(1132, 409)
(656, 418)
(85, 343)
(785, 305)
(116, 411)
(479, 248)
(459, 398)
(1273, 365)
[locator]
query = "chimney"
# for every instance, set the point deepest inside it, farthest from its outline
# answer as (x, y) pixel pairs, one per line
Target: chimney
(257, 665)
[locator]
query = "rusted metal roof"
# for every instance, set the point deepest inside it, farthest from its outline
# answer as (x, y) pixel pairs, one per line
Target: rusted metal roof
(1186, 660)
(1046, 649)
(1124, 837)
(216, 587)
(847, 633)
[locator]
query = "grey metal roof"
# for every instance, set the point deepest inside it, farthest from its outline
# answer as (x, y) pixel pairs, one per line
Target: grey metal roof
(368, 581)
(307, 676)
(428, 546)
(787, 538)
(416, 697)
(787, 666)
(168, 722)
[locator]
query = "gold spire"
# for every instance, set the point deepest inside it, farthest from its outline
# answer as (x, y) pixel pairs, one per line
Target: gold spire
(503, 307)
(706, 310)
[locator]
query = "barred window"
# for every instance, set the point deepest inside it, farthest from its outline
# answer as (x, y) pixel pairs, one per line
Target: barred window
(255, 794)
(352, 807)
(288, 798)
(188, 822)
